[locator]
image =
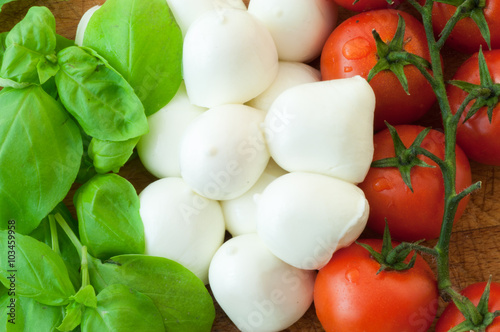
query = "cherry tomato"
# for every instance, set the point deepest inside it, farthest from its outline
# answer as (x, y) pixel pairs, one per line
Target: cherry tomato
(451, 316)
(351, 50)
(365, 5)
(466, 37)
(350, 296)
(410, 215)
(479, 138)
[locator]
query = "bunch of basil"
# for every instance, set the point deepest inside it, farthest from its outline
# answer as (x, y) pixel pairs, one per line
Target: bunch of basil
(69, 114)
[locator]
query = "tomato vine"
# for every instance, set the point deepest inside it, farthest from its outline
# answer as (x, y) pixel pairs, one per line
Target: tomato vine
(467, 8)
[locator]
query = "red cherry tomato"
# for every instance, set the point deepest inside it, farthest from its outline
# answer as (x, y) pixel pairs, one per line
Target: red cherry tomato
(466, 37)
(350, 296)
(365, 5)
(410, 215)
(479, 138)
(351, 50)
(451, 316)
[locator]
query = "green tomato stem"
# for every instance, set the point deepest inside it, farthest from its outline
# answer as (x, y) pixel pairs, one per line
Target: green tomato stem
(448, 163)
(53, 234)
(69, 232)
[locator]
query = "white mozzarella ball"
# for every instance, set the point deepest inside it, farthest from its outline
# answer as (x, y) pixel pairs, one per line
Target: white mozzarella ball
(159, 149)
(303, 218)
(82, 25)
(290, 74)
(324, 127)
(223, 152)
(299, 27)
(258, 291)
(187, 11)
(240, 213)
(181, 225)
(229, 58)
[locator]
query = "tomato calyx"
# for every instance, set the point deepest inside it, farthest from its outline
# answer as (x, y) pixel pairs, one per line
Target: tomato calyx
(486, 94)
(477, 318)
(406, 158)
(390, 2)
(468, 8)
(393, 258)
(393, 57)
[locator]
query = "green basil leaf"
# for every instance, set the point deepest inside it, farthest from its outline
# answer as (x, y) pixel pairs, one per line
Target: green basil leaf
(29, 56)
(87, 169)
(181, 297)
(3, 36)
(99, 98)
(142, 41)
(86, 296)
(108, 214)
(37, 271)
(63, 42)
(68, 252)
(50, 86)
(72, 317)
(110, 156)
(26, 315)
(40, 155)
(7, 305)
(121, 308)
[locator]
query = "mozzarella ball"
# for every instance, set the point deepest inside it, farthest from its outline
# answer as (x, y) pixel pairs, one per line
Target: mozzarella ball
(290, 74)
(159, 149)
(240, 213)
(258, 291)
(229, 58)
(82, 25)
(187, 11)
(324, 127)
(223, 152)
(181, 225)
(303, 218)
(299, 27)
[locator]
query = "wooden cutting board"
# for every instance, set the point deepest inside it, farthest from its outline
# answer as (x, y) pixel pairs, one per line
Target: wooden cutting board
(475, 246)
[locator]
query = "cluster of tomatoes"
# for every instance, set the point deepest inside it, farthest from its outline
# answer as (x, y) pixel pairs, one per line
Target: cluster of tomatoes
(351, 293)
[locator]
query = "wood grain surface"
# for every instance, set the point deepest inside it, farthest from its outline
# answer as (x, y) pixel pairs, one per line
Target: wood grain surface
(475, 246)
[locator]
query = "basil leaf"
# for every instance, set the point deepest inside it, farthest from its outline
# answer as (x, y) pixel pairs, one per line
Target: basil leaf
(72, 317)
(108, 214)
(40, 154)
(68, 252)
(85, 297)
(29, 56)
(37, 271)
(142, 41)
(98, 97)
(63, 42)
(3, 36)
(110, 156)
(29, 315)
(87, 170)
(120, 308)
(181, 297)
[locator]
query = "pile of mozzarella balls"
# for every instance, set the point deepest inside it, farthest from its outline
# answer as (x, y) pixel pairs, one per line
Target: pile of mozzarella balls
(256, 144)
